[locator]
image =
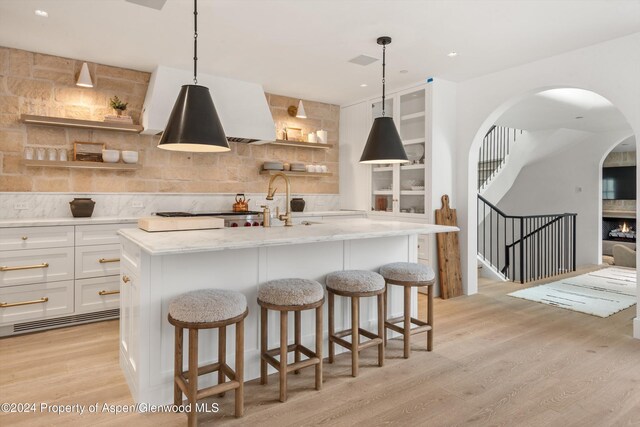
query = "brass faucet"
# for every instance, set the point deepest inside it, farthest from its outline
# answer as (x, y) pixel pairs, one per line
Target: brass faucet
(270, 193)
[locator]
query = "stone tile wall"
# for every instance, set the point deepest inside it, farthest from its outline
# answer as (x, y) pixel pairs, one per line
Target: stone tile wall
(33, 83)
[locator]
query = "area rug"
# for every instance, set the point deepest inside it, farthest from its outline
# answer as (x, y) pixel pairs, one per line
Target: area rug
(600, 293)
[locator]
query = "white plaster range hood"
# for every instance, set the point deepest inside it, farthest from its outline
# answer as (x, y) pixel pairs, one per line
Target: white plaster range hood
(241, 106)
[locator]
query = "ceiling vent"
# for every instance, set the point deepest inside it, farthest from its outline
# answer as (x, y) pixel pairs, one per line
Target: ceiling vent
(363, 60)
(153, 4)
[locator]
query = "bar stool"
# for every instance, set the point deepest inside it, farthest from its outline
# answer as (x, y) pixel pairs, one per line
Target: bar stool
(356, 284)
(408, 275)
(207, 309)
(285, 295)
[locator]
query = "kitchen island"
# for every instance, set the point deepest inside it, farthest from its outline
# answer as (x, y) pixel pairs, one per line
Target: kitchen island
(156, 267)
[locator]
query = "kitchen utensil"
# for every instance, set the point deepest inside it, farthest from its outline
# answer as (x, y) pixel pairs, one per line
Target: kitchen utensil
(130, 157)
(450, 276)
(241, 204)
(414, 152)
(297, 204)
(82, 207)
(322, 136)
(110, 156)
(276, 166)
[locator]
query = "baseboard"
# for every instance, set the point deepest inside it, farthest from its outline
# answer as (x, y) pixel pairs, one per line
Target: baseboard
(636, 327)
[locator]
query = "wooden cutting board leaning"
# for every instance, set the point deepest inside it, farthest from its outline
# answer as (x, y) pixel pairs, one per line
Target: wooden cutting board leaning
(448, 253)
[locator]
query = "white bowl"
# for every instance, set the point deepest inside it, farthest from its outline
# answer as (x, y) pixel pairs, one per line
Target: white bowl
(130, 156)
(110, 156)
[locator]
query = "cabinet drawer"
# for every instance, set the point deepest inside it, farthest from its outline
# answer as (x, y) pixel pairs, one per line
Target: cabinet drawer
(102, 293)
(36, 266)
(97, 261)
(34, 302)
(36, 237)
(104, 234)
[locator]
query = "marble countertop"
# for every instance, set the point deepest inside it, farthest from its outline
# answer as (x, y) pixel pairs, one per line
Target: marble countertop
(43, 222)
(180, 242)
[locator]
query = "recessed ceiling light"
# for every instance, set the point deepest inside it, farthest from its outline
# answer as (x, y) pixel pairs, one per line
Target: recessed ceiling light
(452, 54)
(404, 71)
(42, 13)
(364, 85)
(579, 117)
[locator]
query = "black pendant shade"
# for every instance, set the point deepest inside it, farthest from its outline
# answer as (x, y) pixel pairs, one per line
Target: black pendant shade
(384, 144)
(194, 124)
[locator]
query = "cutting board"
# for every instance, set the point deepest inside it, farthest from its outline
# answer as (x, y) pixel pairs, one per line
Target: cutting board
(448, 253)
(158, 223)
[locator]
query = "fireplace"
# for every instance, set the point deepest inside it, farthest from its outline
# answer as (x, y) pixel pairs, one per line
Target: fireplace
(619, 229)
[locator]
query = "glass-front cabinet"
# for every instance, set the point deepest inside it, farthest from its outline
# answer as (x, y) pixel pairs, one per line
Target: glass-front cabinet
(403, 189)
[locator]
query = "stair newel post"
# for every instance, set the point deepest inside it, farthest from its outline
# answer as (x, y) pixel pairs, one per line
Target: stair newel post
(521, 251)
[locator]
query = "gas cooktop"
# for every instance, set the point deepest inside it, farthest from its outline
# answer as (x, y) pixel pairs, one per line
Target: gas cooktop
(189, 214)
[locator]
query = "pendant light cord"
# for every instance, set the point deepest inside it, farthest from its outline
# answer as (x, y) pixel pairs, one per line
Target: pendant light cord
(195, 42)
(384, 63)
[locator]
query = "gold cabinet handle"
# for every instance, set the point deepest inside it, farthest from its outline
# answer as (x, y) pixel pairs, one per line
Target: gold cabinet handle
(25, 237)
(108, 292)
(16, 304)
(106, 260)
(24, 267)
(125, 278)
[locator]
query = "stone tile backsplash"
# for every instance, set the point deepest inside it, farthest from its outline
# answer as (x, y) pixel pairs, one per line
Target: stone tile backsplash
(33, 83)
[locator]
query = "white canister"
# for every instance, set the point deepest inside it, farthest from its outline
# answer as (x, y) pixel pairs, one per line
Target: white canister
(311, 168)
(311, 137)
(40, 153)
(322, 136)
(52, 154)
(324, 168)
(317, 168)
(62, 155)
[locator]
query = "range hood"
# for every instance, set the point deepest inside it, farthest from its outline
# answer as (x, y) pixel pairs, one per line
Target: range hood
(241, 106)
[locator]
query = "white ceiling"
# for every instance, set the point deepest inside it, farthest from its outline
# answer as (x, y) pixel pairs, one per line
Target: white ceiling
(558, 108)
(627, 145)
(301, 47)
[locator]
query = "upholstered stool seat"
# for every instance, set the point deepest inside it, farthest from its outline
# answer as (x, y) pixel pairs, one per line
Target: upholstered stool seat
(408, 272)
(356, 284)
(408, 275)
(291, 292)
(355, 281)
(207, 306)
(208, 309)
(285, 295)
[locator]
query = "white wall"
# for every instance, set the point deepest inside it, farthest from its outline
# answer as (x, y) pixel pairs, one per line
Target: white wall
(354, 130)
(610, 69)
(569, 181)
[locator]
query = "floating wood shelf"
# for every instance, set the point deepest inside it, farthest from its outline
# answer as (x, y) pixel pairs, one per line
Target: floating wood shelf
(80, 165)
(76, 123)
(291, 173)
(315, 145)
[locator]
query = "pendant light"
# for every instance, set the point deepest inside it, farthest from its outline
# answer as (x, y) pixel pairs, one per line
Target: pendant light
(384, 144)
(84, 79)
(194, 125)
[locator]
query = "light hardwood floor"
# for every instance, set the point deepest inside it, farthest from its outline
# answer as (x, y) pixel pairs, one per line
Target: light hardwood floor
(497, 360)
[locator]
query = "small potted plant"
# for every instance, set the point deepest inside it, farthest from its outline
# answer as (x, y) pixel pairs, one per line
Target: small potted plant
(118, 105)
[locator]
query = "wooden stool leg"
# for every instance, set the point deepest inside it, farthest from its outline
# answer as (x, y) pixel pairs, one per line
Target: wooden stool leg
(283, 355)
(355, 334)
(381, 329)
(332, 329)
(319, 340)
(263, 344)
(407, 321)
(240, 368)
(192, 387)
(177, 367)
(385, 298)
(222, 353)
(430, 318)
(298, 337)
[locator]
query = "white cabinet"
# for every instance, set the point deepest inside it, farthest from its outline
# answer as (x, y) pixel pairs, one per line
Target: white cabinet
(57, 276)
(129, 318)
(404, 189)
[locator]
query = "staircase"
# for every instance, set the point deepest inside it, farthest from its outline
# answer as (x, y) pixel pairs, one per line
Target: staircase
(493, 153)
(526, 248)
